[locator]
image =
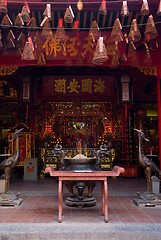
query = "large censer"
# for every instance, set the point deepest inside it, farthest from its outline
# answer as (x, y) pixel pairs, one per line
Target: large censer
(81, 163)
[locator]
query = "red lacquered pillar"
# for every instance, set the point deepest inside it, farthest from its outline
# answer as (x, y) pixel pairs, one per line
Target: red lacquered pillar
(159, 106)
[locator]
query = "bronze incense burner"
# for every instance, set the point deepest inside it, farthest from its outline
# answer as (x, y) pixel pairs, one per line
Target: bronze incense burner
(81, 163)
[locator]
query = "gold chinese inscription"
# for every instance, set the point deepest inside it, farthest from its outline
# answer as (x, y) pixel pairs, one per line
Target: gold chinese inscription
(99, 86)
(7, 70)
(86, 85)
(73, 85)
(60, 86)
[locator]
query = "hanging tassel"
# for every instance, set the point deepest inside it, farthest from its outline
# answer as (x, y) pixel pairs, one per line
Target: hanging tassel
(60, 22)
(27, 7)
(77, 35)
(31, 43)
(27, 52)
(75, 25)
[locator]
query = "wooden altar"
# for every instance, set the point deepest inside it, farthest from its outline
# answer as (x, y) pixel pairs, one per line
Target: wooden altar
(89, 176)
(50, 159)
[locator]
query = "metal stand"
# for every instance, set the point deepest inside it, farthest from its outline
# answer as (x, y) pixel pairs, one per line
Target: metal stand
(85, 202)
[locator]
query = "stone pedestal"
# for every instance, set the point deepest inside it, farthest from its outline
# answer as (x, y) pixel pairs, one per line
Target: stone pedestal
(147, 199)
(2, 184)
(10, 199)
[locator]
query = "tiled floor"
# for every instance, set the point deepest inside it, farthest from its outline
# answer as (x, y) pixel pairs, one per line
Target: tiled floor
(40, 204)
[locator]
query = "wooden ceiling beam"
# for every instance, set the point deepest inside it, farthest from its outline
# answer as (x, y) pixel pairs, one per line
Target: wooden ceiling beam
(137, 14)
(110, 19)
(98, 16)
(85, 19)
(129, 18)
(122, 22)
(39, 17)
(78, 16)
(33, 13)
(104, 20)
(91, 18)
(52, 19)
(117, 14)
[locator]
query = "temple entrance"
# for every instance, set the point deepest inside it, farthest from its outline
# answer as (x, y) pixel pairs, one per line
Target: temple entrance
(85, 123)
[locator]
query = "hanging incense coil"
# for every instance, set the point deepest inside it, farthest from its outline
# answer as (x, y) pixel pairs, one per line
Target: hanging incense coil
(47, 32)
(94, 31)
(116, 34)
(144, 8)
(134, 34)
(47, 11)
(27, 52)
(38, 42)
(21, 40)
(60, 31)
(19, 21)
(10, 38)
(68, 17)
(6, 22)
(103, 10)
(150, 31)
(25, 14)
(100, 55)
(124, 9)
(132, 55)
(3, 7)
(159, 9)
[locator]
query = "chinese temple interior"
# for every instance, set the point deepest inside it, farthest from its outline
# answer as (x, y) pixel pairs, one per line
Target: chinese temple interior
(81, 75)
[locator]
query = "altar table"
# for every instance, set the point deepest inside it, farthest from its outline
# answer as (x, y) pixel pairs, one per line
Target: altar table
(85, 176)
